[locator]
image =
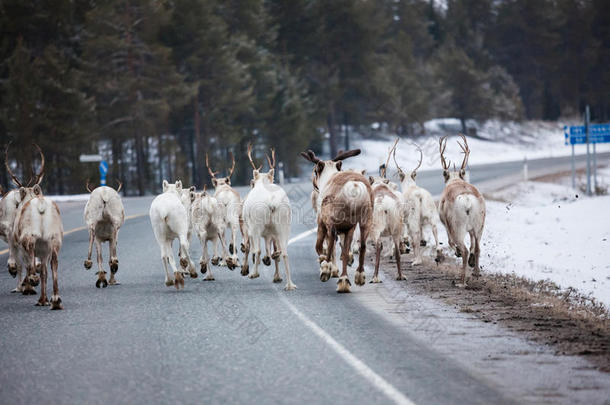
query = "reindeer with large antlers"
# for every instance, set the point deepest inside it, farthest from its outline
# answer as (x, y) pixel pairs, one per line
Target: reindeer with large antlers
(344, 201)
(420, 210)
(462, 210)
(231, 205)
(387, 217)
(104, 216)
(36, 237)
(267, 215)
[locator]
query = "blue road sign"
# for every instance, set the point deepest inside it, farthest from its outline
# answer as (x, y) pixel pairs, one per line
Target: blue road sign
(103, 171)
(598, 133)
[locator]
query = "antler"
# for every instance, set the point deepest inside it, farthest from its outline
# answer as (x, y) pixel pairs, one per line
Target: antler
(120, 185)
(442, 144)
(344, 155)
(232, 165)
(310, 156)
(421, 158)
(40, 174)
(395, 162)
(384, 168)
(272, 160)
(87, 187)
(207, 164)
(250, 157)
(8, 169)
(465, 150)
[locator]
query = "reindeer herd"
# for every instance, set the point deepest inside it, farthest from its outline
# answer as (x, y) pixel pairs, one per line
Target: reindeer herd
(351, 209)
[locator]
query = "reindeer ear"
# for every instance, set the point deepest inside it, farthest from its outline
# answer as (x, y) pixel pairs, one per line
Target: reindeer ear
(401, 175)
(228, 180)
(37, 190)
(446, 175)
(371, 179)
(192, 194)
(165, 185)
(338, 165)
(462, 174)
(270, 174)
(192, 188)
(214, 181)
(413, 175)
(386, 181)
(363, 172)
(179, 184)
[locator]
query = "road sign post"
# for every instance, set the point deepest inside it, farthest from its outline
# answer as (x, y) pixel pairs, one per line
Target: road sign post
(587, 134)
(103, 171)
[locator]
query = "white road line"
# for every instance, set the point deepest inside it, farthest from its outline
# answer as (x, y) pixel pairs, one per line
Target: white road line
(80, 228)
(379, 382)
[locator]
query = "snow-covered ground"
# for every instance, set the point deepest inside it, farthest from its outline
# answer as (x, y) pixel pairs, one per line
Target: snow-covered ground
(550, 231)
(499, 141)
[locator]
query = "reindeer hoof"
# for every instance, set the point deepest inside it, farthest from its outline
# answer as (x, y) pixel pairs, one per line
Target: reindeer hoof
(209, 277)
(56, 302)
(267, 261)
(359, 278)
(215, 260)
(28, 290)
(276, 255)
(324, 272)
(439, 257)
(471, 260)
(290, 287)
(179, 282)
(33, 279)
(114, 266)
(244, 269)
(476, 273)
(242, 247)
(193, 274)
(401, 277)
(254, 275)
(101, 282)
(277, 279)
(203, 267)
(42, 302)
(113, 282)
(184, 263)
(169, 282)
(376, 280)
(17, 290)
(334, 271)
(343, 285)
(12, 269)
(423, 242)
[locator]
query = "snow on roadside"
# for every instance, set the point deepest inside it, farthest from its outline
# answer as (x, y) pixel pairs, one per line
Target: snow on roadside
(500, 142)
(550, 231)
(69, 198)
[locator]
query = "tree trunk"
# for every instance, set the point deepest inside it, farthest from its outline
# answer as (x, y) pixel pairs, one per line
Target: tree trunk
(463, 122)
(196, 176)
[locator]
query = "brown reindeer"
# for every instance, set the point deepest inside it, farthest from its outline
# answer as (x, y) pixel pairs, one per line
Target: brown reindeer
(462, 210)
(37, 236)
(345, 200)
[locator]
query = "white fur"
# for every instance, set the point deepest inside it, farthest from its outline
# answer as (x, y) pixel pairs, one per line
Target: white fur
(267, 215)
(169, 216)
(208, 218)
(231, 205)
(8, 210)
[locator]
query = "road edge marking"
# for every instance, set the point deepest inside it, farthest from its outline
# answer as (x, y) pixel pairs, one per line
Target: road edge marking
(361, 368)
(81, 228)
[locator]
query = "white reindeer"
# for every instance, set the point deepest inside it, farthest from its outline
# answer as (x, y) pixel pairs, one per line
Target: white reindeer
(104, 216)
(420, 210)
(207, 215)
(8, 210)
(267, 215)
(170, 218)
(231, 204)
(462, 210)
(37, 237)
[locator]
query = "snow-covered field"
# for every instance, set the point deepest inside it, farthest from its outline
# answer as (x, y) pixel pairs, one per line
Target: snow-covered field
(500, 142)
(550, 231)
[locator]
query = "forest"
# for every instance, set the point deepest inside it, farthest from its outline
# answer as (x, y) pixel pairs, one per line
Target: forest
(154, 85)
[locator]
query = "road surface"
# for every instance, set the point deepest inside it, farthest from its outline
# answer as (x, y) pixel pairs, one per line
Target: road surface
(226, 341)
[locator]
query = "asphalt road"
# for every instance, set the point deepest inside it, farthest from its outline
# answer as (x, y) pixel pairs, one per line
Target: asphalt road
(230, 340)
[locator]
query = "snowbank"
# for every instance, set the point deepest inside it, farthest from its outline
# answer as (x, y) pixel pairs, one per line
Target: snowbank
(550, 231)
(497, 142)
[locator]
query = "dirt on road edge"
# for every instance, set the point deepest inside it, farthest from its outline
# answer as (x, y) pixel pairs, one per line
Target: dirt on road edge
(571, 323)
